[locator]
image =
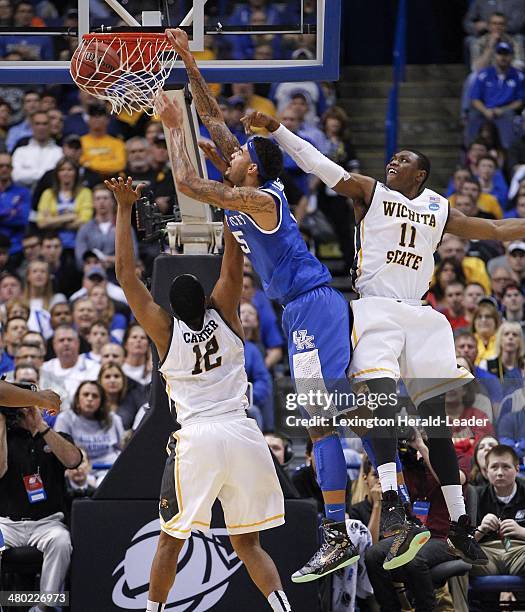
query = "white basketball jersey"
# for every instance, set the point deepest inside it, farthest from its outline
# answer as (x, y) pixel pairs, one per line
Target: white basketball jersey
(397, 240)
(204, 370)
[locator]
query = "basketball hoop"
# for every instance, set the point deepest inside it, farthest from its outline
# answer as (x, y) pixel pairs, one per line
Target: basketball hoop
(127, 69)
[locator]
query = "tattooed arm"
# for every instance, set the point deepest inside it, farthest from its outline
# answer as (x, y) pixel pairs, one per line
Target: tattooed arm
(206, 104)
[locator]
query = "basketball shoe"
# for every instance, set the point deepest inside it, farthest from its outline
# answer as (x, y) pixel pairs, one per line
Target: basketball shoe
(462, 542)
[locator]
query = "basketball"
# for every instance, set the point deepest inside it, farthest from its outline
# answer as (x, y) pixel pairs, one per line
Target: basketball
(95, 66)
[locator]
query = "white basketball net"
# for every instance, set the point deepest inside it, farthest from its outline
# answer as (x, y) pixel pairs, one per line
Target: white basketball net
(145, 64)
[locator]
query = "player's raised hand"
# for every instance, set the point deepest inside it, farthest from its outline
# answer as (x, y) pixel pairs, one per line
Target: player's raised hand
(211, 153)
(169, 111)
(124, 193)
(256, 119)
(179, 41)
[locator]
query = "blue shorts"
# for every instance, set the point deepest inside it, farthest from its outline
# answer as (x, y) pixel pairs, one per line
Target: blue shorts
(318, 325)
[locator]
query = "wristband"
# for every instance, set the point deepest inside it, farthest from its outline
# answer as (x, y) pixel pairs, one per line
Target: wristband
(46, 431)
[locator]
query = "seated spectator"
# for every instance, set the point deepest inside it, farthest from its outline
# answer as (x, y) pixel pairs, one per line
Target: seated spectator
(474, 292)
(41, 154)
(489, 135)
(31, 248)
(252, 100)
(491, 181)
(478, 473)
(67, 365)
(84, 315)
(468, 206)
(519, 211)
(290, 119)
(10, 287)
(116, 322)
(479, 12)
(456, 183)
(97, 337)
(137, 364)
(506, 365)
(36, 338)
(473, 268)
(65, 276)
(29, 436)
(270, 334)
(39, 293)
(499, 280)
(5, 245)
(448, 270)
(165, 193)
(29, 47)
(485, 202)
(512, 302)
(93, 426)
(15, 204)
(24, 129)
(282, 93)
(122, 400)
(308, 125)
(422, 484)
(500, 514)
(5, 121)
(17, 308)
(95, 274)
(467, 346)
(496, 96)
(61, 314)
(101, 152)
(485, 324)
(67, 205)
(113, 353)
(262, 408)
(98, 235)
(454, 302)
(13, 332)
(513, 262)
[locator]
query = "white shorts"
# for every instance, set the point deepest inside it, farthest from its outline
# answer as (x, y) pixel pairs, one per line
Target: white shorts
(226, 460)
(393, 339)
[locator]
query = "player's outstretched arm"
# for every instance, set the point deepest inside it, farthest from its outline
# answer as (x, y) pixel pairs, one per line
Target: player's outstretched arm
(154, 319)
(12, 396)
(226, 294)
(206, 105)
(245, 199)
(484, 229)
(311, 161)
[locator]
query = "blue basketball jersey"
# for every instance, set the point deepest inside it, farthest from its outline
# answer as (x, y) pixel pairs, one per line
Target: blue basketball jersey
(280, 256)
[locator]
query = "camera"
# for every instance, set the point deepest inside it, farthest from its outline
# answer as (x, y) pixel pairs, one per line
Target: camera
(13, 415)
(151, 223)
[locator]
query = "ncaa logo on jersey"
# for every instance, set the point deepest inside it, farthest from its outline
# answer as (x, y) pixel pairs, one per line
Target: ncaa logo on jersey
(302, 340)
(434, 203)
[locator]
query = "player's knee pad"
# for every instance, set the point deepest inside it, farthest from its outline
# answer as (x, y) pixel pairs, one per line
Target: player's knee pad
(330, 463)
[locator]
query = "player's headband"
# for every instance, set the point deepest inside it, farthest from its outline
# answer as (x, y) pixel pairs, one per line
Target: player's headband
(255, 158)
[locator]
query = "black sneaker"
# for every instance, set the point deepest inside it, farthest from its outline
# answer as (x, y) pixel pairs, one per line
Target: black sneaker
(407, 543)
(336, 552)
(463, 543)
(393, 515)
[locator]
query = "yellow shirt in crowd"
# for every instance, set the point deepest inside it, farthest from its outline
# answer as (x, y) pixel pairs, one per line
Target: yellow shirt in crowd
(105, 154)
(485, 352)
(486, 203)
(47, 205)
(476, 272)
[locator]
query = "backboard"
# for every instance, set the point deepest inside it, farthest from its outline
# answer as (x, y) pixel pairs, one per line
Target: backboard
(258, 41)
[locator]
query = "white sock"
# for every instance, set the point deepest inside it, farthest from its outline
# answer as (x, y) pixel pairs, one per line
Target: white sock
(388, 476)
(455, 501)
(154, 606)
(279, 602)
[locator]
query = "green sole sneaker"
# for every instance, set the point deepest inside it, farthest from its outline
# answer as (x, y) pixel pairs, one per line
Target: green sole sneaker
(416, 543)
(302, 578)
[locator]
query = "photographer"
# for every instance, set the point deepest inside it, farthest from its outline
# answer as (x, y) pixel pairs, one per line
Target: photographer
(33, 459)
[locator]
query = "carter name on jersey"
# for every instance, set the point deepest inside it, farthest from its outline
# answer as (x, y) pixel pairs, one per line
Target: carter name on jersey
(203, 335)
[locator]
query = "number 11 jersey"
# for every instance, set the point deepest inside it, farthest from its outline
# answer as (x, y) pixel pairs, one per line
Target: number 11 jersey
(396, 241)
(204, 371)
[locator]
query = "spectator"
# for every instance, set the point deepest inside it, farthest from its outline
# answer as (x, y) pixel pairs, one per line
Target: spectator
(79, 481)
(422, 484)
(519, 211)
(501, 508)
(308, 126)
(121, 400)
(468, 206)
(64, 273)
(499, 280)
(94, 427)
(137, 364)
(252, 100)
(95, 274)
(456, 183)
(29, 436)
(282, 93)
(261, 409)
(101, 152)
(17, 307)
(6, 361)
(476, 20)
(67, 365)
(511, 426)
(98, 235)
(485, 324)
(270, 333)
(6, 13)
(116, 322)
(138, 166)
(483, 48)
(497, 94)
(31, 248)
(473, 268)
(290, 119)
(490, 181)
(455, 308)
(65, 206)
(13, 331)
(510, 348)
(512, 302)
(56, 124)
(447, 271)
(5, 245)
(97, 337)
(61, 313)
(39, 292)
(41, 154)
(10, 286)
(513, 262)
(14, 207)
(84, 315)
(474, 292)
(485, 202)
(36, 338)
(113, 353)
(516, 157)
(5, 121)
(24, 129)
(27, 46)
(165, 193)
(478, 473)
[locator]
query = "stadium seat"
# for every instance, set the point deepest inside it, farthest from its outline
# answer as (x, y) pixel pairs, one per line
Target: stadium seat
(20, 568)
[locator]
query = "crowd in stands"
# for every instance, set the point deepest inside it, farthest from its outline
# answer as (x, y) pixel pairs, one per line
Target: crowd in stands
(65, 323)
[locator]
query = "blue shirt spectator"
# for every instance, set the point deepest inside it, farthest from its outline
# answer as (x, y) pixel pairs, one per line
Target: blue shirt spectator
(496, 90)
(511, 431)
(15, 205)
(490, 383)
(18, 132)
(7, 363)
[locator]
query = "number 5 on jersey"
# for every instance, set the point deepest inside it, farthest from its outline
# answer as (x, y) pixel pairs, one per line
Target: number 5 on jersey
(244, 245)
